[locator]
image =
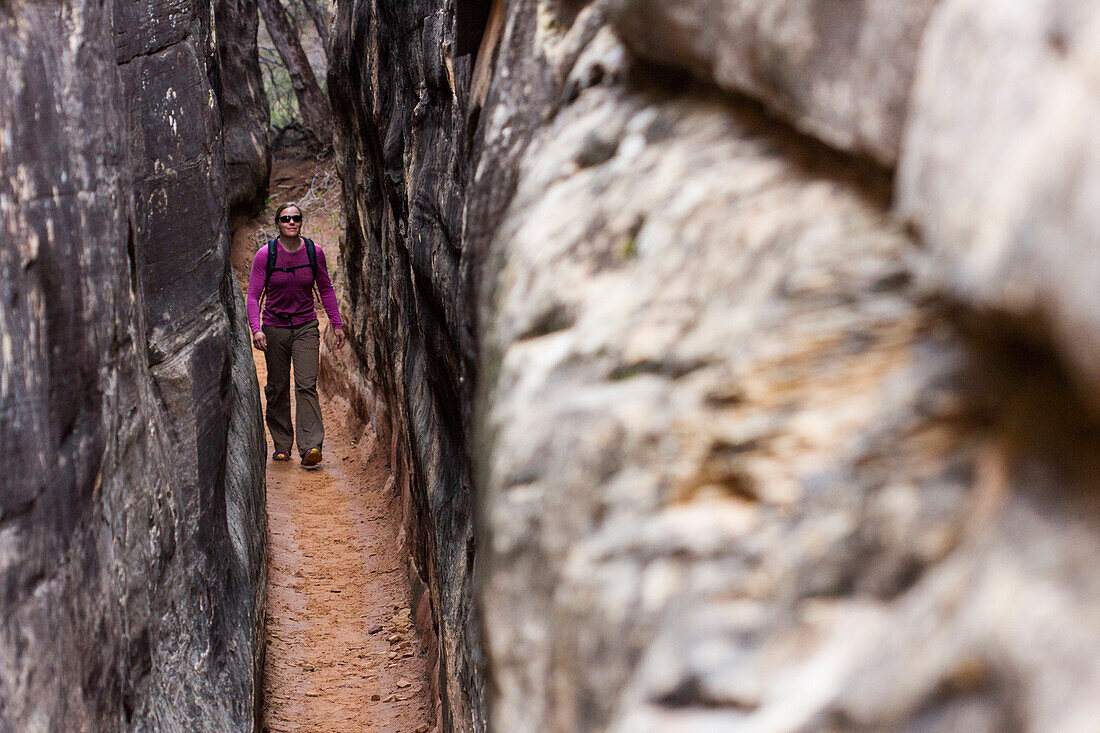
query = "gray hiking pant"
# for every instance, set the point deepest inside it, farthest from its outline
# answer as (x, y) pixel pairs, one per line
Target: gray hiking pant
(297, 345)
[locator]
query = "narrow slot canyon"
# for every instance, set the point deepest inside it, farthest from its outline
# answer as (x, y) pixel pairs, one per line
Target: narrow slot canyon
(342, 651)
(707, 367)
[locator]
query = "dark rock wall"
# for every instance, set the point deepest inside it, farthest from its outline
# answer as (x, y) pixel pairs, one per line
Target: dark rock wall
(766, 340)
(401, 152)
(132, 451)
(243, 104)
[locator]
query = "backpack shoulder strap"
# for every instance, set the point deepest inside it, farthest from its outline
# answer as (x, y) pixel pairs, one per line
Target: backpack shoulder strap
(311, 253)
(272, 256)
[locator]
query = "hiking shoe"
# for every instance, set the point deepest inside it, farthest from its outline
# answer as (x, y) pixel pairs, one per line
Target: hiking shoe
(281, 455)
(312, 457)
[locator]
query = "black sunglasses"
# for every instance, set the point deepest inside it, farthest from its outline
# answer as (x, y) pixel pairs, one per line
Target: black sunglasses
(291, 218)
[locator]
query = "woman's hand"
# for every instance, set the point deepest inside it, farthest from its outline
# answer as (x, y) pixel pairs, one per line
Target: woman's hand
(259, 340)
(339, 333)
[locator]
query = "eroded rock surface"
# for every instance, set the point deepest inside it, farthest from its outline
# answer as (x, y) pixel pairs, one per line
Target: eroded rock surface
(244, 110)
(1001, 171)
(752, 446)
(731, 452)
(131, 527)
(840, 70)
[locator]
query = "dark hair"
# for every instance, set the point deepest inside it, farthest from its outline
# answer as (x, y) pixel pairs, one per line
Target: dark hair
(286, 206)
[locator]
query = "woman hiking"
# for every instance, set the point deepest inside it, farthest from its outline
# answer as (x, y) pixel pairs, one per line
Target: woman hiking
(286, 269)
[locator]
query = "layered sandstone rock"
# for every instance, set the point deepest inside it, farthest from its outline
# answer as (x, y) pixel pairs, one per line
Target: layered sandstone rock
(401, 153)
(132, 514)
(243, 104)
(762, 392)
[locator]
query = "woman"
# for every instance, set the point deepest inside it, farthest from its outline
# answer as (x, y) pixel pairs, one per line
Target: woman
(289, 332)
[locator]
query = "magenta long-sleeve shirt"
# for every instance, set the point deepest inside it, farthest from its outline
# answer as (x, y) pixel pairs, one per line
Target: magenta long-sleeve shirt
(290, 292)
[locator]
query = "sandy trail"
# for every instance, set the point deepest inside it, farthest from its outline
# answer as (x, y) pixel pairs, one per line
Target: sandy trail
(342, 654)
(342, 651)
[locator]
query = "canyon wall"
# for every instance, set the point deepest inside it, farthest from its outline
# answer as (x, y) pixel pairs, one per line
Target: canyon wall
(401, 153)
(243, 104)
(131, 523)
(758, 341)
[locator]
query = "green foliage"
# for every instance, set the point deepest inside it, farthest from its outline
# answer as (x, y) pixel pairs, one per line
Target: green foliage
(281, 101)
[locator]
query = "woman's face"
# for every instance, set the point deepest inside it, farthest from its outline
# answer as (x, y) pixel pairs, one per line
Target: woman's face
(290, 228)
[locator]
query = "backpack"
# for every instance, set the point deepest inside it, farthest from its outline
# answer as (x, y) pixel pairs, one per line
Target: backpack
(272, 257)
